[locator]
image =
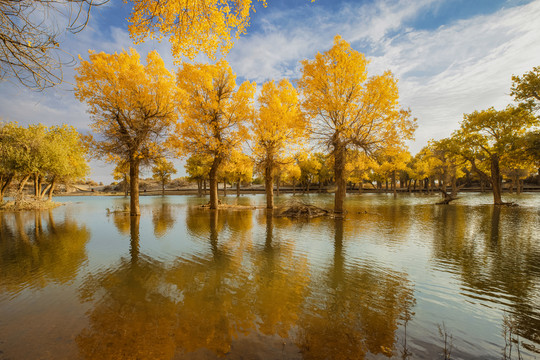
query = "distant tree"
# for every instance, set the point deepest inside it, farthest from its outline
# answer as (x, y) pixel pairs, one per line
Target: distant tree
(489, 135)
(30, 49)
(214, 114)
(309, 168)
(277, 128)
(526, 89)
(291, 173)
(532, 148)
(238, 168)
(359, 166)
(449, 163)
(132, 107)
(198, 169)
(393, 160)
(162, 172)
(348, 110)
(121, 173)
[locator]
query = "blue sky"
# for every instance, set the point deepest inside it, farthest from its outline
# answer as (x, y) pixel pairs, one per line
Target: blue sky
(451, 56)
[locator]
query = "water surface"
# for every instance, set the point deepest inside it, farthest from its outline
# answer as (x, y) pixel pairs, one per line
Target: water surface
(80, 282)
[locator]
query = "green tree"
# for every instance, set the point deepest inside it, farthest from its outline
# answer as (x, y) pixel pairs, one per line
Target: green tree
(490, 135)
(526, 89)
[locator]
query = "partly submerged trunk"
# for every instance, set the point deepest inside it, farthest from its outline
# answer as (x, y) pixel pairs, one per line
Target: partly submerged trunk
(269, 185)
(199, 187)
(134, 187)
(394, 183)
(339, 173)
(496, 180)
(214, 182)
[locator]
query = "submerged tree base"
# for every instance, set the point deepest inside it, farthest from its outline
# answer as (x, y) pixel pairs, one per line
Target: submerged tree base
(28, 204)
(302, 210)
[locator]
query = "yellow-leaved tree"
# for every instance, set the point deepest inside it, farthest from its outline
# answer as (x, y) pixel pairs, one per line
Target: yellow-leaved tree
(132, 106)
(162, 171)
(278, 126)
(214, 115)
(350, 110)
(207, 26)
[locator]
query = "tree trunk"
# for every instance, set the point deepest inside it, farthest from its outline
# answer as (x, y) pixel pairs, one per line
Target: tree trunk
(51, 190)
(339, 172)
(204, 187)
(454, 186)
(496, 180)
(199, 187)
(360, 187)
(134, 187)
(23, 183)
(37, 185)
(277, 185)
(214, 182)
(238, 188)
(519, 186)
(269, 185)
(224, 188)
(42, 195)
(394, 183)
(163, 188)
(126, 187)
(4, 186)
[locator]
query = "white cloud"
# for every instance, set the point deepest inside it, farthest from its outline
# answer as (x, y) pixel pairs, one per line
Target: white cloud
(457, 68)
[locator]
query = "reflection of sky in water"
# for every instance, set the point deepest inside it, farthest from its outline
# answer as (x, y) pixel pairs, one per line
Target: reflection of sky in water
(464, 264)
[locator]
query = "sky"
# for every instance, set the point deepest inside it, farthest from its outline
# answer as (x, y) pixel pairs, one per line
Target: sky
(451, 57)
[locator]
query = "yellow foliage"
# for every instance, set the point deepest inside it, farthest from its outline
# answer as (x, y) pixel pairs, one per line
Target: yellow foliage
(206, 26)
(214, 113)
(131, 104)
(279, 124)
(347, 108)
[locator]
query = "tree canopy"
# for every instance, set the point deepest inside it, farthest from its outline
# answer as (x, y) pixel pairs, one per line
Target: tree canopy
(132, 107)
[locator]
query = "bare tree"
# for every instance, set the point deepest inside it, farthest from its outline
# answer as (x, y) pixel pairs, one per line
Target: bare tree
(29, 38)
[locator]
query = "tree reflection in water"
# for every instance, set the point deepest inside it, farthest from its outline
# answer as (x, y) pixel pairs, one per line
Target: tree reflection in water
(162, 218)
(35, 250)
(494, 253)
(216, 302)
(354, 310)
(131, 318)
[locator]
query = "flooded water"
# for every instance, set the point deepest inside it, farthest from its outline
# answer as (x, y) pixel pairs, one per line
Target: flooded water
(394, 279)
